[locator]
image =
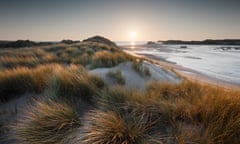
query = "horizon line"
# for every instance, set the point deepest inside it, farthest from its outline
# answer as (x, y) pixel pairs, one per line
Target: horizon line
(4, 40)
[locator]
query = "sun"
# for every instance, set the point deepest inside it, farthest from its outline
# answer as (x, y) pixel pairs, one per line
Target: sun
(133, 35)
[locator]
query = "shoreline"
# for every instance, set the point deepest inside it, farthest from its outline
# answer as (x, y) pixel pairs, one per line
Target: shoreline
(184, 72)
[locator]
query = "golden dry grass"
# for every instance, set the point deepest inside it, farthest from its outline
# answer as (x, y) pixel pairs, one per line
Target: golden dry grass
(201, 113)
(56, 80)
(86, 53)
(45, 122)
(110, 127)
(74, 82)
(109, 59)
(21, 80)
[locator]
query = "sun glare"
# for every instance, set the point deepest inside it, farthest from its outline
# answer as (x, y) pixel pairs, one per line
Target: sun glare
(133, 35)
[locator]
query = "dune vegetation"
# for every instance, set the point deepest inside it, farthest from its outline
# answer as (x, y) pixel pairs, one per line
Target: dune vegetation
(138, 67)
(47, 122)
(91, 54)
(116, 76)
(71, 106)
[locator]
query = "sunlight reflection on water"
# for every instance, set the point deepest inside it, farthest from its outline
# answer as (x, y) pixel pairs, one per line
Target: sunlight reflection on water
(133, 44)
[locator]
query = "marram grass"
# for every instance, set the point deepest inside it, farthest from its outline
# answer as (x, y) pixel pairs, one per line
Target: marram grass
(74, 83)
(45, 122)
(111, 128)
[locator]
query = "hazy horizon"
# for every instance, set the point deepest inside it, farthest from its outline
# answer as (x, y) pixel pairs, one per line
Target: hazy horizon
(125, 20)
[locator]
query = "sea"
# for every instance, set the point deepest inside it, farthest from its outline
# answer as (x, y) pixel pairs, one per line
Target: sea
(220, 62)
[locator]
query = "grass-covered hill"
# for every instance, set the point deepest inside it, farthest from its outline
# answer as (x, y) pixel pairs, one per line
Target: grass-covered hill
(49, 95)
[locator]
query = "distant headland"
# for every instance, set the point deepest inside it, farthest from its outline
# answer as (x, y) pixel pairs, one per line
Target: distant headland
(29, 43)
(207, 42)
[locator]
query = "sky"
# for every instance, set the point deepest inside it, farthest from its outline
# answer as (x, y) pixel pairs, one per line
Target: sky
(119, 20)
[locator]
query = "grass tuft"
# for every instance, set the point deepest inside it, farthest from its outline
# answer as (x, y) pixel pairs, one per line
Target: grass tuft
(109, 127)
(15, 82)
(117, 76)
(45, 122)
(74, 83)
(140, 68)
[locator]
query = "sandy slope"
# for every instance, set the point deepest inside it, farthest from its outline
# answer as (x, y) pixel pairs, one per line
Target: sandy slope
(134, 79)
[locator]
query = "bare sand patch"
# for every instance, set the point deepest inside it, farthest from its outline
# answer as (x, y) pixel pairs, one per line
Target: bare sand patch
(133, 79)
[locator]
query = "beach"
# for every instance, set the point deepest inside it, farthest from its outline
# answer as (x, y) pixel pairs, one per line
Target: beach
(188, 73)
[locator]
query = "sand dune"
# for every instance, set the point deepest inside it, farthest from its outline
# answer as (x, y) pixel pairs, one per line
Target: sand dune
(134, 79)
